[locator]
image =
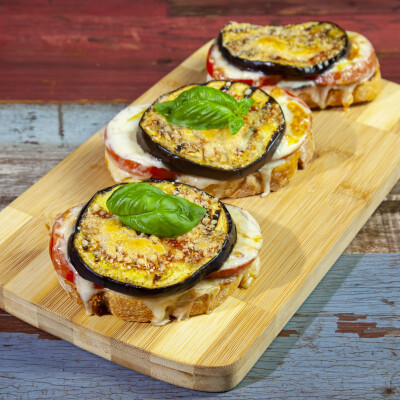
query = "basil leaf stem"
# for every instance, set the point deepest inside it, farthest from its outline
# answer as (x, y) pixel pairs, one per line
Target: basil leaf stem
(146, 208)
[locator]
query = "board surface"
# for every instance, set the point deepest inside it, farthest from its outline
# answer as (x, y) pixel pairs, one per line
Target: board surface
(306, 226)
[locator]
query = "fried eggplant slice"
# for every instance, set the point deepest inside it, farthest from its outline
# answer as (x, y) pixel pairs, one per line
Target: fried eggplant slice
(112, 255)
(215, 153)
(295, 50)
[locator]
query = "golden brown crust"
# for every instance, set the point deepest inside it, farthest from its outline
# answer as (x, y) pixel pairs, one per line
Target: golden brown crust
(252, 184)
(307, 150)
(95, 302)
(364, 91)
(135, 310)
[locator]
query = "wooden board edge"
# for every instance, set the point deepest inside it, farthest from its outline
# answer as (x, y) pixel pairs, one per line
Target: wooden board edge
(240, 367)
(225, 377)
(206, 379)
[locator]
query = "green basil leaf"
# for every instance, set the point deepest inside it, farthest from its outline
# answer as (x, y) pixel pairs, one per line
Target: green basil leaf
(235, 124)
(244, 107)
(200, 115)
(209, 94)
(149, 209)
(133, 198)
(204, 107)
(165, 107)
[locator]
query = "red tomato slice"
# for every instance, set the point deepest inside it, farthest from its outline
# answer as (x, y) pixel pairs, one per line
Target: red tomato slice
(57, 255)
(227, 273)
(137, 169)
(218, 73)
(61, 263)
(350, 74)
(360, 63)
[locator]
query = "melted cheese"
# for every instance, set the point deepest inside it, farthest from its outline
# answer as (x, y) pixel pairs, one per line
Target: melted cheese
(246, 249)
(120, 137)
(85, 288)
(298, 121)
(249, 238)
(250, 274)
(319, 94)
(298, 124)
(180, 305)
(266, 173)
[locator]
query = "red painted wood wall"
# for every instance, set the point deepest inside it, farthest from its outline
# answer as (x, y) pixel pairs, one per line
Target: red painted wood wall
(113, 50)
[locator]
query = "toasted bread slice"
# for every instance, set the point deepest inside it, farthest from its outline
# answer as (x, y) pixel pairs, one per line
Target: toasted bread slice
(341, 95)
(252, 184)
(192, 302)
(280, 175)
(241, 268)
(353, 78)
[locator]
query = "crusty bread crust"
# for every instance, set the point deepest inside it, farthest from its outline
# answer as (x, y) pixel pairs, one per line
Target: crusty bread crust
(364, 91)
(135, 310)
(307, 150)
(280, 176)
(251, 184)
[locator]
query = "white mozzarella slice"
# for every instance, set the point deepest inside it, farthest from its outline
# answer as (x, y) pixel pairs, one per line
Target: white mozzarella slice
(120, 137)
(297, 118)
(249, 238)
(319, 94)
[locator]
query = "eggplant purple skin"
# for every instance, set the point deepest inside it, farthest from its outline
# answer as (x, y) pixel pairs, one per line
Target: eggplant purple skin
(185, 166)
(270, 68)
(132, 290)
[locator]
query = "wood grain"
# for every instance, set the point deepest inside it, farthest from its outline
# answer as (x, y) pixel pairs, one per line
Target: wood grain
(279, 7)
(114, 51)
(36, 137)
(355, 167)
(311, 359)
(31, 147)
(298, 359)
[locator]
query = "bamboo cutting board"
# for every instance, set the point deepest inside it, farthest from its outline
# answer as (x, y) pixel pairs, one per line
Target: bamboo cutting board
(306, 226)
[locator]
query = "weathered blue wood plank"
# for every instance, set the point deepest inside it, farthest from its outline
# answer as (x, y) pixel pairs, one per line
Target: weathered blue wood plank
(34, 138)
(53, 124)
(343, 343)
(29, 123)
(80, 121)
